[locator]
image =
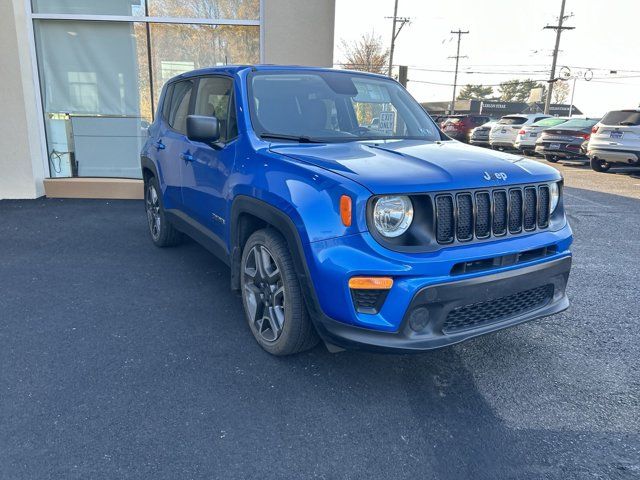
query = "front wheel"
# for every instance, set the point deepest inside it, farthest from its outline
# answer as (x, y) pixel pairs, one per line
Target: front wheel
(551, 158)
(599, 165)
(272, 297)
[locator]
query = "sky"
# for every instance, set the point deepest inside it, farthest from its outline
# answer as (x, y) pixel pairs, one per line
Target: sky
(506, 39)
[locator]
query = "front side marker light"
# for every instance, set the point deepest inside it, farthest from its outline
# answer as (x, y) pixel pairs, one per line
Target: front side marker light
(346, 210)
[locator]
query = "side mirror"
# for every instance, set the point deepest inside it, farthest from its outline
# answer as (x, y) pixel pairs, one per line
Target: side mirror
(203, 129)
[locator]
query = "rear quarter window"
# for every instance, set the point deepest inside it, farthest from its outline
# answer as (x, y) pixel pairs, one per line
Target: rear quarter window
(622, 117)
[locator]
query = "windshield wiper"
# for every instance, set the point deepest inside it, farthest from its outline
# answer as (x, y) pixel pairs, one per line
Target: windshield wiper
(296, 138)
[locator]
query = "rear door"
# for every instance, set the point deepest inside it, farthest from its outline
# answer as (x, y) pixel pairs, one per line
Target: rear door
(206, 168)
(172, 140)
(620, 129)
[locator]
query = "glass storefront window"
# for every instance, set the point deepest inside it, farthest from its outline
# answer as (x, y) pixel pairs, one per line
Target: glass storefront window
(179, 48)
(228, 9)
(95, 89)
(135, 8)
(100, 78)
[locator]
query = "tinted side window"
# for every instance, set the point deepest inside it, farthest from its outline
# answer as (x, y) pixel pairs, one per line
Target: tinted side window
(179, 109)
(215, 99)
(166, 102)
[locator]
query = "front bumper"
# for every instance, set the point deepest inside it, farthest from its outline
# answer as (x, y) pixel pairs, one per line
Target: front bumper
(332, 262)
(441, 301)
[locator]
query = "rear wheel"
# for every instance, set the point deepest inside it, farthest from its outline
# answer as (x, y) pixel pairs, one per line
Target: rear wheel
(599, 165)
(272, 297)
(163, 233)
(551, 158)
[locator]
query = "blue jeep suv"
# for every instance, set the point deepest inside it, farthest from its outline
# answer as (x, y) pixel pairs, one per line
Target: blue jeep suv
(346, 215)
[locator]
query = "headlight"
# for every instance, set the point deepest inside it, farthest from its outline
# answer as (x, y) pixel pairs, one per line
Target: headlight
(392, 215)
(554, 192)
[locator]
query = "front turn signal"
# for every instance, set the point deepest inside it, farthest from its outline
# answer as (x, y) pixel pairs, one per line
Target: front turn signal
(370, 283)
(345, 210)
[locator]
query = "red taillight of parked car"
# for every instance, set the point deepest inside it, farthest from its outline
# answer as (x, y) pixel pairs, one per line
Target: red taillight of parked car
(594, 130)
(586, 136)
(521, 132)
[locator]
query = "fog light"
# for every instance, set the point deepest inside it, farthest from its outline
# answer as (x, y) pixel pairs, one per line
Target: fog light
(419, 319)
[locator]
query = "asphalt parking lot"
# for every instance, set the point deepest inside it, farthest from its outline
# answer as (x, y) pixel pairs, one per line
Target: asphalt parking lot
(121, 360)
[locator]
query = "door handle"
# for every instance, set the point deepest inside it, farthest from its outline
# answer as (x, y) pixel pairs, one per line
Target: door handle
(186, 156)
(159, 145)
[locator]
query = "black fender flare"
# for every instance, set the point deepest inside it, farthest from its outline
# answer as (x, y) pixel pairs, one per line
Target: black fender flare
(146, 162)
(283, 223)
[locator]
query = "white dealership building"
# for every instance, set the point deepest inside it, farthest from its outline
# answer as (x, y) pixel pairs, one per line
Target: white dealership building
(81, 78)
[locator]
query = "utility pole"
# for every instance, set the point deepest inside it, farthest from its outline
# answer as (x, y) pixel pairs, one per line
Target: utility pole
(552, 75)
(455, 78)
(395, 32)
(402, 75)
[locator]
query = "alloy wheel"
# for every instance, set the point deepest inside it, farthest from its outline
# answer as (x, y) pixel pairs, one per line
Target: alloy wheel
(152, 204)
(264, 293)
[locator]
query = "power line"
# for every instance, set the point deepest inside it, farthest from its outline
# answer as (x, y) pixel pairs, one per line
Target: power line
(455, 77)
(552, 74)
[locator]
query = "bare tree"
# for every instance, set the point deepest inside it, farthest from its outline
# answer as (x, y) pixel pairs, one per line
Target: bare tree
(560, 92)
(367, 54)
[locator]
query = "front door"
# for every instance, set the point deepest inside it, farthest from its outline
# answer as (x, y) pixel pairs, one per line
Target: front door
(206, 168)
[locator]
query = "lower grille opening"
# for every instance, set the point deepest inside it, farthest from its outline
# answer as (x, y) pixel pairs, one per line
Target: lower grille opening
(491, 311)
(503, 261)
(368, 301)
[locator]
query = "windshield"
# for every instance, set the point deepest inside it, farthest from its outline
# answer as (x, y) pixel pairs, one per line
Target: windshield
(512, 120)
(549, 122)
(580, 123)
(334, 106)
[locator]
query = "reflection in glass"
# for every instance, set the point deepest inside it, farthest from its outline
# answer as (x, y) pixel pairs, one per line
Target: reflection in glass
(95, 89)
(229, 9)
(90, 7)
(179, 48)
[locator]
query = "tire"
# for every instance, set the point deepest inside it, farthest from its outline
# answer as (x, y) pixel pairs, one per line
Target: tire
(599, 165)
(272, 298)
(551, 158)
(163, 233)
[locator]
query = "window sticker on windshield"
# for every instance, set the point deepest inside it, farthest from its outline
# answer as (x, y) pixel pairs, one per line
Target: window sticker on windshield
(387, 122)
(370, 93)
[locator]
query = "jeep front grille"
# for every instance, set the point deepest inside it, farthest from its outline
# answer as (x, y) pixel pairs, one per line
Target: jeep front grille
(491, 213)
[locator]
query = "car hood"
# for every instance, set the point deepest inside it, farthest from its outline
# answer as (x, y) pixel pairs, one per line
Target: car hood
(417, 166)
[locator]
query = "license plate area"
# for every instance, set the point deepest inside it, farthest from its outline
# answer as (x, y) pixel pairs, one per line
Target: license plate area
(554, 146)
(533, 134)
(616, 135)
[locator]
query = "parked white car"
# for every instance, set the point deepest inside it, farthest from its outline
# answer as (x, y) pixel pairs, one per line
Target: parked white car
(528, 135)
(615, 140)
(503, 134)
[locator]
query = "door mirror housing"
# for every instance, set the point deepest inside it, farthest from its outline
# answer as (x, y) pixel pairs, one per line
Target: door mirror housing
(204, 129)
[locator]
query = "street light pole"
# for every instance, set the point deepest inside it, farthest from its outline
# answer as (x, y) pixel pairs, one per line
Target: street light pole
(573, 92)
